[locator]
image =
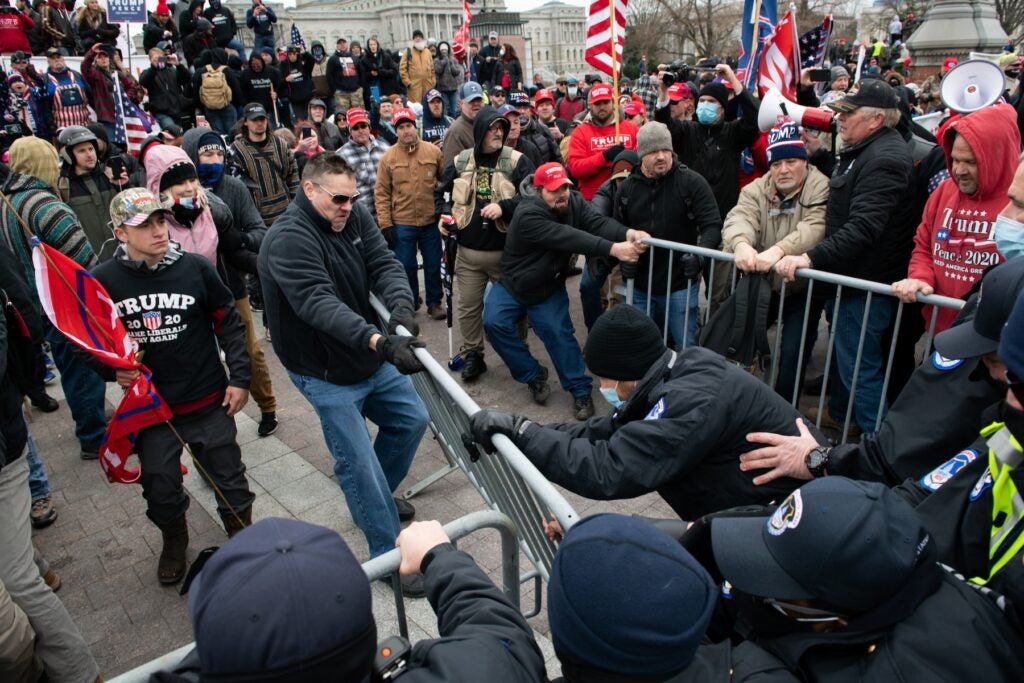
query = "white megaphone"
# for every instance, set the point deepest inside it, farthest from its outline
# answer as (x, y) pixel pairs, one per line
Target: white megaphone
(972, 85)
(775, 107)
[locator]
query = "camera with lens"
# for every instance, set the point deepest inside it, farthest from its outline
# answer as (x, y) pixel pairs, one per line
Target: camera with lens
(677, 71)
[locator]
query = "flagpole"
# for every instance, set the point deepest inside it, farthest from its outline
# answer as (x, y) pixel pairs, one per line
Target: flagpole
(615, 66)
(796, 47)
(754, 42)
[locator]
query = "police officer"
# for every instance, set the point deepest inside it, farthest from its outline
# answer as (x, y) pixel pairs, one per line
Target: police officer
(679, 425)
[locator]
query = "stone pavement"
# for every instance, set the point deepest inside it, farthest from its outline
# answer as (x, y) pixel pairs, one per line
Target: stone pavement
(105, 548)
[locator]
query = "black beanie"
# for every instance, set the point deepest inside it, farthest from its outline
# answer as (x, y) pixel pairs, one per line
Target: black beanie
(718, 91)
(210, 142)
(623, 344)
(178, 172)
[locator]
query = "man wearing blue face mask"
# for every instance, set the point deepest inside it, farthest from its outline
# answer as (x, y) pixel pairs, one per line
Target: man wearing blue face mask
(206, 150)
(954, 244)
(711, 146)
(678, 428)
(1009, 227)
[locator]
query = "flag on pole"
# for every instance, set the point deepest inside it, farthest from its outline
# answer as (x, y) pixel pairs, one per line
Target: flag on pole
(814, 43)
(763, 24)
(462, 34)
(780, 66)
(81, 309)
(862, 63)
(131, 124)
(599, 35)
(297, 37)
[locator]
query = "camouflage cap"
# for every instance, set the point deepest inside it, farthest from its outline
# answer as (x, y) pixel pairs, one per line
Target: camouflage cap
(134, 207)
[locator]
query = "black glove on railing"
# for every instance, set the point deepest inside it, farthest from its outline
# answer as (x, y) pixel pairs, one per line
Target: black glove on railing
(398, 350)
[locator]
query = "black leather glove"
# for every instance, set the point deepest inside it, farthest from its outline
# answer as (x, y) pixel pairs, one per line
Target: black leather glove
(389, 237)
(403, 315)
(398, 351)
(691, 266)
(612, 152)
(486, 423)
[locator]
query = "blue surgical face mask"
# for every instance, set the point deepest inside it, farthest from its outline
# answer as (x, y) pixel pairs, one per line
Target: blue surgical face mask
(209, 174)
(611, 395)
(707, 112)
(1009, 236)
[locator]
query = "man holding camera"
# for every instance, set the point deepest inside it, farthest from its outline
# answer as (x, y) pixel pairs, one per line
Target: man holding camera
(169, 85)
(87, 186)
(711, 146)
(261, 20)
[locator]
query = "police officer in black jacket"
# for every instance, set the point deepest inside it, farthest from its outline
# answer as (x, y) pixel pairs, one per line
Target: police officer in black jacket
(680, 424)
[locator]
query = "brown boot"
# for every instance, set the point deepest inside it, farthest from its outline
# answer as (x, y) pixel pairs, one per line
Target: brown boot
(235, 522)
(171, 567)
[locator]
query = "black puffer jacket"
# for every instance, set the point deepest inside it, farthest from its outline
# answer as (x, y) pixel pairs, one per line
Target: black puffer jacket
(869, 224)
(540, 244)
(13, 434)
(679, 207)
(681, 434)
(714, 151)
(169, 89)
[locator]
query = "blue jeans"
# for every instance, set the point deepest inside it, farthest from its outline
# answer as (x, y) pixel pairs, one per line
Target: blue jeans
(38, 483)
(368, 472)
(451, 103)
(222, 120)
(590, 296)
(407, 237)
(259, 42)
(677, 317)
(83, 388)
(551, 322)
(871, 374)
(236, 45)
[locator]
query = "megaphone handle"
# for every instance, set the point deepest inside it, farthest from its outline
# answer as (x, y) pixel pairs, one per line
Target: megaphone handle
(834, 133)
(782, 108)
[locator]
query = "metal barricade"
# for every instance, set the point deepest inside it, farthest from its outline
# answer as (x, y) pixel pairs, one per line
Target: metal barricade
(507, 480)
(813, 306)
(382, 566)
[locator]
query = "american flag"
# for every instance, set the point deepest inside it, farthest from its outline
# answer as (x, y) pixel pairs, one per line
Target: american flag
(814, 43)
(131, 124)
(297, 37)
(462, 34)
(763, 24)
(602, 27)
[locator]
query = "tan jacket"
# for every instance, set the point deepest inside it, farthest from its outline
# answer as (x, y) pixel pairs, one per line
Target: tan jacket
(757, 220)
(404, 194)
(417, 72)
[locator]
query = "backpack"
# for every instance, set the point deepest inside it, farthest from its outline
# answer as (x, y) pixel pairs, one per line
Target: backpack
(214, 91)
(739, 328)
(24, 360)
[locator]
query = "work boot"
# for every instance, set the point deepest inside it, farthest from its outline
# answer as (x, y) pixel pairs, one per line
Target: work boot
(475, 366)
(171, 567)
(42, 400)
(43, 514)
(583, 407)
(236, 521)
(52, 579)
(830, 423)
(90, 451)
(437, 312)
(539, 386)
(405, 509)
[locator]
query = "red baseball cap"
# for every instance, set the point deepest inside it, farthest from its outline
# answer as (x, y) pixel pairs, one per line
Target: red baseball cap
(633, 108)
(541, 95)
(401, 114)
(601, 92)
(357, 115)
(679, 91)
(551, 176)
(948, 63)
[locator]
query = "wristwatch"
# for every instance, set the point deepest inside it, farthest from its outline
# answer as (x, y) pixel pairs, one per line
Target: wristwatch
(817, 461)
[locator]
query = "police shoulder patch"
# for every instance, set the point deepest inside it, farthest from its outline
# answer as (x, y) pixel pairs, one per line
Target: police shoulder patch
(657, 411)
(984, 484)
(934, 480)
(945, 364)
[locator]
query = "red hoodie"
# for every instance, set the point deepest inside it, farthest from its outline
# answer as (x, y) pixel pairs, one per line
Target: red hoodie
(586, 153)
(13, 29)
(954, 243)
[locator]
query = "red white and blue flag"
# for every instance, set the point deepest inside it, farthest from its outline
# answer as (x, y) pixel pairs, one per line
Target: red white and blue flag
(81, 309)
(814, 43)
(131, 124)
(297, 38)
(763, 23)
(462, 34)
(601, 27)
(780, 63)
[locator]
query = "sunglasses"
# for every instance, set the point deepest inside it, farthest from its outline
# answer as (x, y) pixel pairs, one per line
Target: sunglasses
(339, 199)
(807, 615)
(360, 126)
(1016, 385)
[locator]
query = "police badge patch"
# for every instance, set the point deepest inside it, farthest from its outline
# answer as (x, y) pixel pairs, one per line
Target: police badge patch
(934, 480)
(787, 516)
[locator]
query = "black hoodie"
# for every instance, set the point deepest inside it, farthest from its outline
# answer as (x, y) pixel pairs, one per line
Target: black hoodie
(474, 235)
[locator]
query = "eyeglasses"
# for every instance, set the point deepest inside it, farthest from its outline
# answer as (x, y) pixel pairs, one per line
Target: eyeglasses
(339, 199)
(811, 615)
(1016, 385)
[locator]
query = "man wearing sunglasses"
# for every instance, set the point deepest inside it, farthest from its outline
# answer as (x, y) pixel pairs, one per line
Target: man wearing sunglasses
(318, 266)
(843, 583)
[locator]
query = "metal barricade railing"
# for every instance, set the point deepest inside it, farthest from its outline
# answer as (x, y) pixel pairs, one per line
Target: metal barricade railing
(507, 481)
(870, 290)
(382, 566)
